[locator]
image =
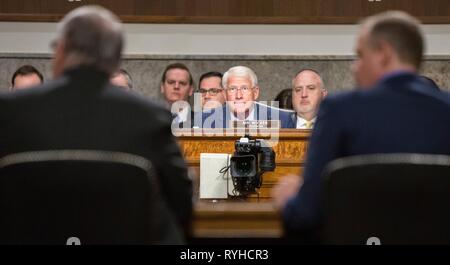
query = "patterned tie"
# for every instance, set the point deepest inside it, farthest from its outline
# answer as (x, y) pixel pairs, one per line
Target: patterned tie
(309, 124)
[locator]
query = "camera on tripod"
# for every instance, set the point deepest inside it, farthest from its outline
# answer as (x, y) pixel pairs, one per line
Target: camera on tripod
(250, 160)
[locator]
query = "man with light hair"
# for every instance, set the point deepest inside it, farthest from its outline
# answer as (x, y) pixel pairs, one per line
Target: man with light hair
(81, 109)
(381, 116)
(307, 93)
(122, 79)
(242, 91)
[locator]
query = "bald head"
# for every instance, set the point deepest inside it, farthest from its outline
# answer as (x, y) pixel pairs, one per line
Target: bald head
(308, 92)
(308, 74)
(89, 36)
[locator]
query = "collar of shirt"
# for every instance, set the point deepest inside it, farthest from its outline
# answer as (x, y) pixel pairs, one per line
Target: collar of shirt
(301, 123)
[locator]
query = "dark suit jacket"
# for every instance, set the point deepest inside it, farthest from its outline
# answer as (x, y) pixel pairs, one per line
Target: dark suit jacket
(81, 110)
(401, 114)
(220, 117)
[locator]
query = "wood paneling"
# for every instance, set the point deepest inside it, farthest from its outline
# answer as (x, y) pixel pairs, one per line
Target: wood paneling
(230, 11)
(228, 219)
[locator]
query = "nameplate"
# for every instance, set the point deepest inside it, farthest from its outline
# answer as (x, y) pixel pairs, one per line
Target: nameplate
(257, 124)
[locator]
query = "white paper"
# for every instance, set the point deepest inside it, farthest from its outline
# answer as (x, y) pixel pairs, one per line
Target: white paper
(213, 184)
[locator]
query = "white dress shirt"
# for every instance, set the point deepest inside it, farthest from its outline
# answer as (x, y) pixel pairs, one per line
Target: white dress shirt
(302, 123)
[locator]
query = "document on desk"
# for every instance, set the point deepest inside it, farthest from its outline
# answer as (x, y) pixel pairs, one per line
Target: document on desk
(213, 184)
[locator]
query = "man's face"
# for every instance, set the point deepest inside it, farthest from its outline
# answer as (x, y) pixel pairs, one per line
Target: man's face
(119, 80)
(241, 94)
(214, 95)
(26, 81)
(307, 94)
(367, 68)
(176, 87)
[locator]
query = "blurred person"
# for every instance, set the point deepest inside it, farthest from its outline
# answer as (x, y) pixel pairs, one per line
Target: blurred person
(381, 116)
(430, 81)
(81, 109)
(122, 79)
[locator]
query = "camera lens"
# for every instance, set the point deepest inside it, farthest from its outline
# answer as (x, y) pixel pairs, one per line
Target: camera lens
(246, 172)
(244, 167)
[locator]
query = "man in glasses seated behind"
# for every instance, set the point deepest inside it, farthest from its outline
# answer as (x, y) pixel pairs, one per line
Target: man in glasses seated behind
(211, 90)
(241, 91)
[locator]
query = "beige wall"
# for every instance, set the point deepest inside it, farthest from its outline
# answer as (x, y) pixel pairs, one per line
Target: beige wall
(275, 52)
(194, 39)
(274, 72)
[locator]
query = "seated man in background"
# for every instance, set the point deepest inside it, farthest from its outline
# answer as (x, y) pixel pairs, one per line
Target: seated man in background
(122, 79)
(177, 85)
(210, 87)
(80, 109)
(242, 90)
(26, 76)
(307, 93)
(382, 116)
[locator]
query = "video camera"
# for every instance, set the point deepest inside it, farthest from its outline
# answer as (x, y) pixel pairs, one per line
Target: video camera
(250, 160)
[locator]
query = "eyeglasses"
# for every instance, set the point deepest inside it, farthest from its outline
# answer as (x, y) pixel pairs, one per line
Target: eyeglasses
(211, 91)
(244, 90)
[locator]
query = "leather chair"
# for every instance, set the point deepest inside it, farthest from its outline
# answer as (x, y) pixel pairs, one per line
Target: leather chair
(393, 198)
(64, 196)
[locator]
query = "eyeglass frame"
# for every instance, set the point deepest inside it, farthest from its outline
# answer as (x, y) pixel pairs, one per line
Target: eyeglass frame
(244, 89)
(212, 91)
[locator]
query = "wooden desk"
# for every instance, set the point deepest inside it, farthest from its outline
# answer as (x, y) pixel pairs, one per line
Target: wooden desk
(290, 147)
(231, 219)
(247, 218)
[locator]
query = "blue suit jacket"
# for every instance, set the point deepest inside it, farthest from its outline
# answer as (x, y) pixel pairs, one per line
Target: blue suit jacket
(220, 117)
(400, 114)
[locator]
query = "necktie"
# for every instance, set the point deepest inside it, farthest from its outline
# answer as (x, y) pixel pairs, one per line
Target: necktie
(309, 124)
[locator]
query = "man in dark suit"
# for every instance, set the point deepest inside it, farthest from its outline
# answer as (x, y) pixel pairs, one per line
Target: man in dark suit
(81, 109)
(242, 90)
(393, 112)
